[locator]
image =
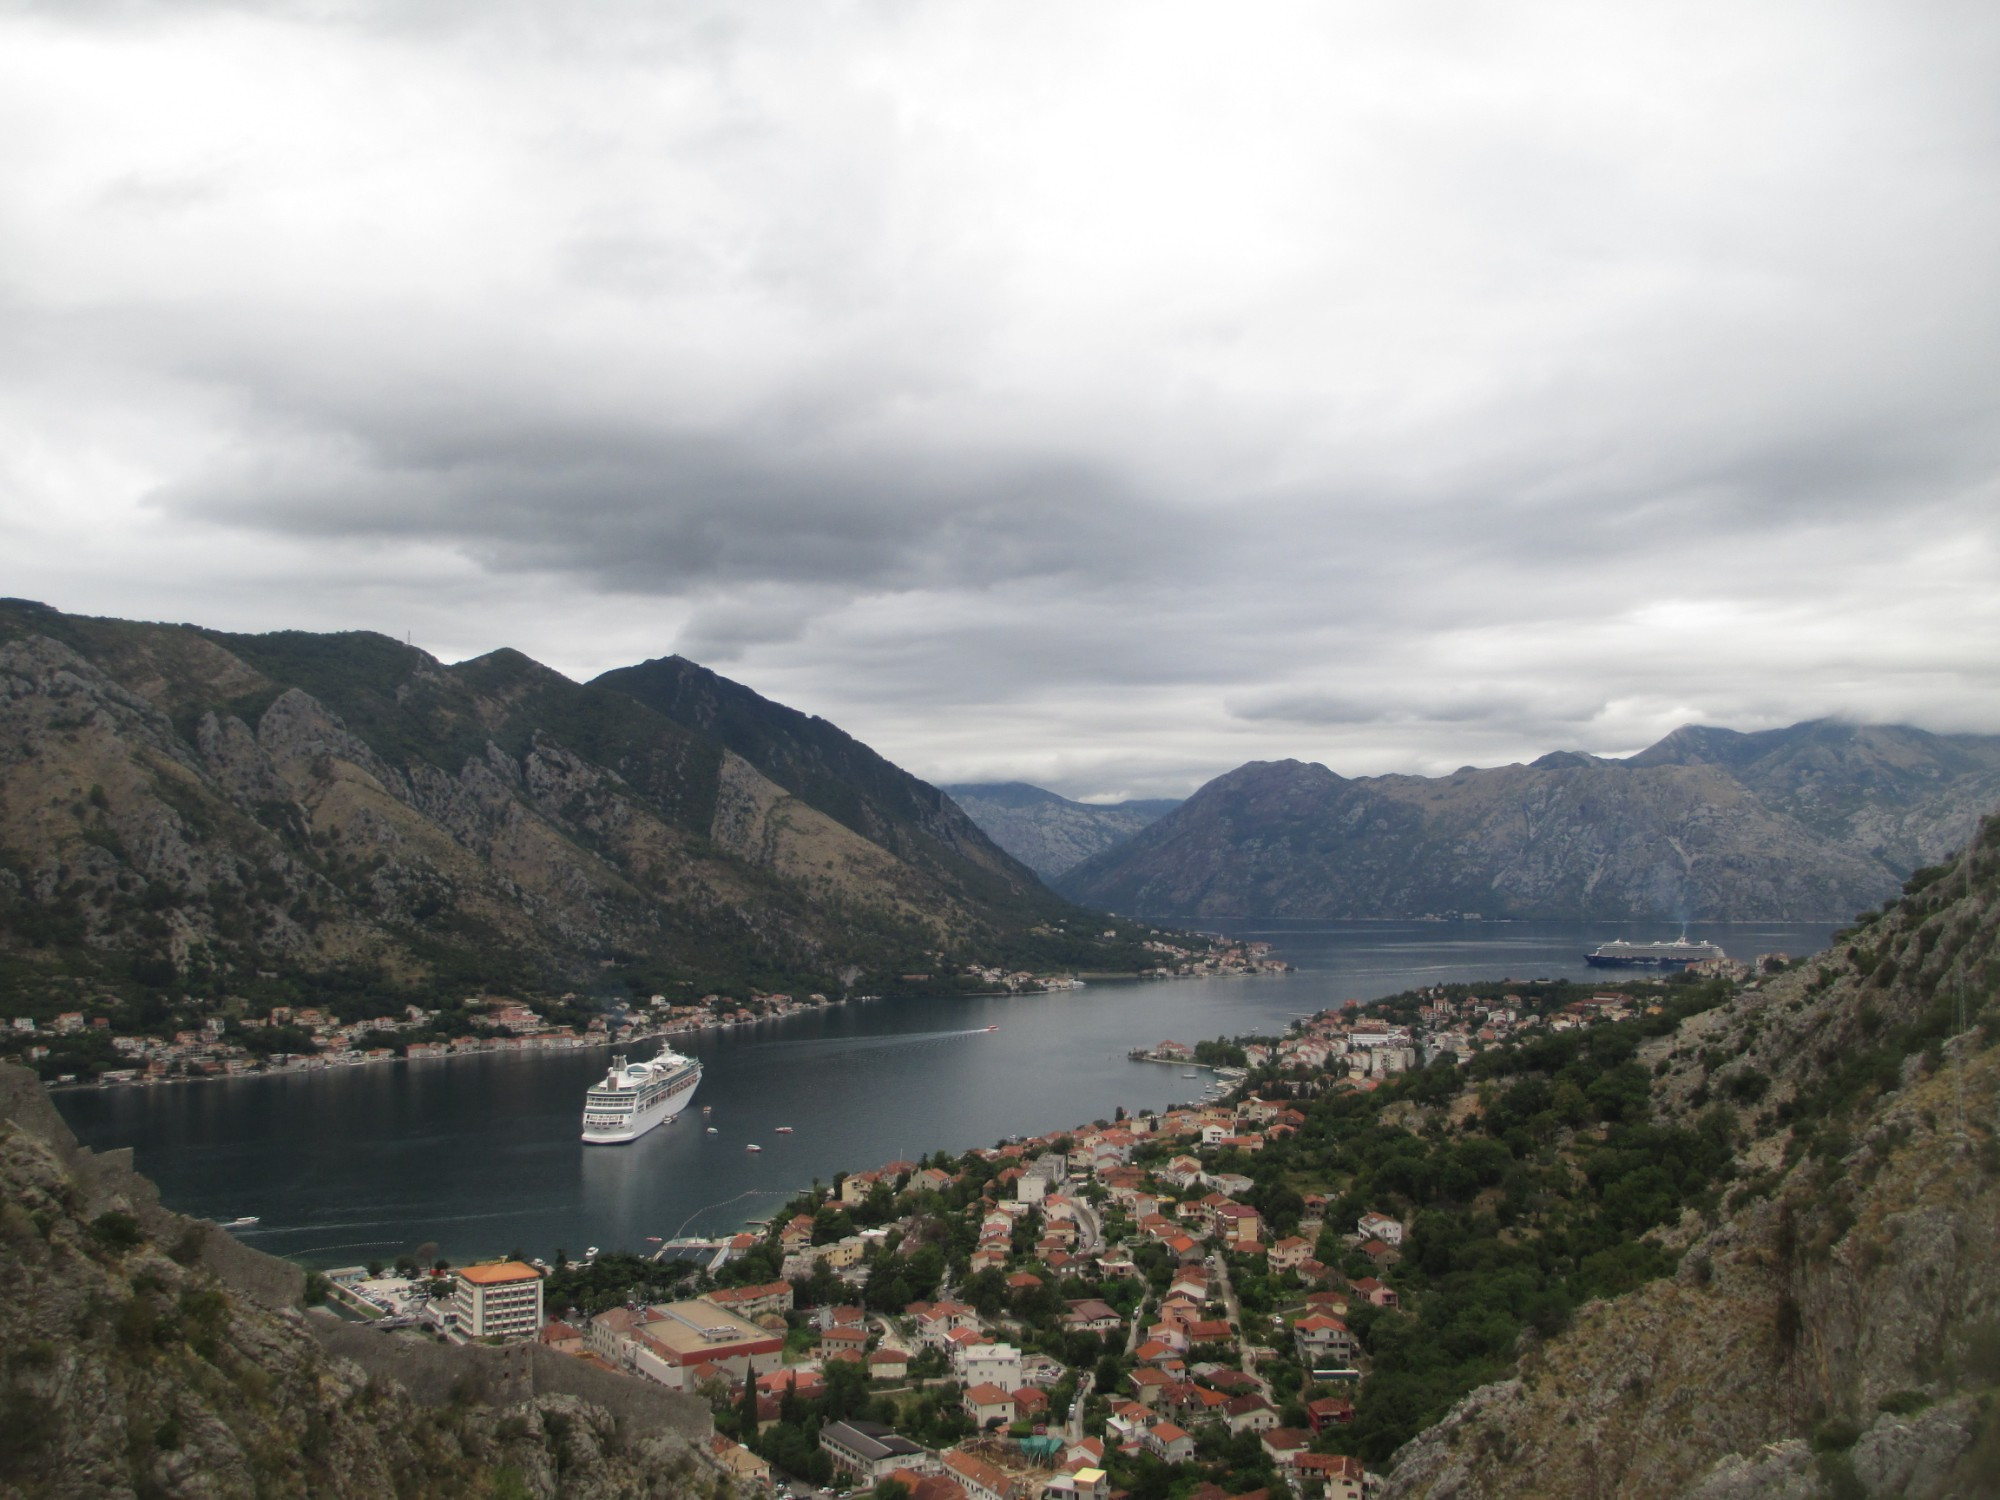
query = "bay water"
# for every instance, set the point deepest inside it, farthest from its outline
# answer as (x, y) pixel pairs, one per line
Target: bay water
(480, 1155)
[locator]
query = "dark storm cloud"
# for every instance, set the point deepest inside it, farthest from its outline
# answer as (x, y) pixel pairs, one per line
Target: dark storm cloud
(666, 513)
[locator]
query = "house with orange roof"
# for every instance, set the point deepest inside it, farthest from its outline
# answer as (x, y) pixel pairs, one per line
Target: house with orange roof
(988, 1405)
(1329, 1411)
(1170, 1441)
(1250, 1412)
(1376, 1293)
(981, 1480)
(842, 1338)
(1283, 1445)
(500, 1300)
(1320, 1339)
(561, 1337)
(753, 1301)
(1290, 1253)
(742, 1465)
(1340, 1475)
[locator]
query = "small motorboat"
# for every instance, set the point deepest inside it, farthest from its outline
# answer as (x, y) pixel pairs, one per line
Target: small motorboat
(243, 1223)
(994, 1027)
(591, 1253)
(753, 1146)
(708, 1109)
(784, 1130)
(713, 1131)
(653, 1239)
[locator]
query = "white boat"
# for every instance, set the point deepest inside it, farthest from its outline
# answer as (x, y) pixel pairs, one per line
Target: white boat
(634, 1097)
(713, 1131)
(243, 1223)
(784, 1130)
(1678, 954)
(753, 1146)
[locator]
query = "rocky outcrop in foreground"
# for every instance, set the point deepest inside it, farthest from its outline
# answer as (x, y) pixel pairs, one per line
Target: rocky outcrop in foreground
(146, 1354)
(1833, 1328)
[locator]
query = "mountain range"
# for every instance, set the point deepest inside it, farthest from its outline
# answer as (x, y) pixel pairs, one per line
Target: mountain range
(1049, 834)
(183, 808)
(1813, 821)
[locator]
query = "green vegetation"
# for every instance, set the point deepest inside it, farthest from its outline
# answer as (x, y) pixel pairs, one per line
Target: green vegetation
(1534, 1207)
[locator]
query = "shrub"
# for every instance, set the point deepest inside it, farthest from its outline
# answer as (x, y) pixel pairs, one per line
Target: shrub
(117, 1232)
(1747, 1086)
(1982, 1352)
(27, 1427)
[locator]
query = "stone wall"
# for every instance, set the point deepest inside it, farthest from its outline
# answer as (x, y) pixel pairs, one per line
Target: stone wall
(501, 1374)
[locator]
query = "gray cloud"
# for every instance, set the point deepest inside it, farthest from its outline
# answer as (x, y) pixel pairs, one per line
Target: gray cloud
(1099, 398)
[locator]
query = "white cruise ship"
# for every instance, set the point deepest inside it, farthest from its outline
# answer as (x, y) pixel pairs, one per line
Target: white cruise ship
(634, 1097)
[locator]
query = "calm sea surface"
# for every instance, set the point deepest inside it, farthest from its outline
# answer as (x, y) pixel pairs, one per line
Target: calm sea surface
(481, 1156)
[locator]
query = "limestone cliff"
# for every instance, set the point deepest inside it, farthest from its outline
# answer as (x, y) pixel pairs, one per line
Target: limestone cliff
(1834, 1324)
(182, 811)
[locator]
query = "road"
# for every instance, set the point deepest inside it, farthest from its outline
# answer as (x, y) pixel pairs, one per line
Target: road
(1233, 1309)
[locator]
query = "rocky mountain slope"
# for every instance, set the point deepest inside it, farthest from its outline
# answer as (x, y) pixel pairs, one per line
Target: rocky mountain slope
(828, 769)
(1833, 1328)
(182, 808)
(146, 1354)
(1051, 834)
(1816, 821)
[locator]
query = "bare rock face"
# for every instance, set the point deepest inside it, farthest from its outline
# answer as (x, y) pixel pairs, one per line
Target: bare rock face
(1780, 1471)
(1918, 1457)
(1817, 821)
(222, 806)
(1052, 835)
(149, 1354)
(1834, 1327)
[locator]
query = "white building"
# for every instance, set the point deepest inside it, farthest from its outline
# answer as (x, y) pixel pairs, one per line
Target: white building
(502, 1300)
(992, 1364)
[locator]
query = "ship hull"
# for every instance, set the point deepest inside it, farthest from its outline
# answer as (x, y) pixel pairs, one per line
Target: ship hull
(641, 1119)
(1597, 961)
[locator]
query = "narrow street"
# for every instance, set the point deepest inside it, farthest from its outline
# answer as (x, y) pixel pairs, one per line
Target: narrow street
(1233, 1310)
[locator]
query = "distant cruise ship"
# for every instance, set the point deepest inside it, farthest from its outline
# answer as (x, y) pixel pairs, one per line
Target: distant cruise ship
(1678, 954)
(634, 1097)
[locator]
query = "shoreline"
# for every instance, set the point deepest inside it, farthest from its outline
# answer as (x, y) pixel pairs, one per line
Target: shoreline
(328, 1062)
(533, 1042)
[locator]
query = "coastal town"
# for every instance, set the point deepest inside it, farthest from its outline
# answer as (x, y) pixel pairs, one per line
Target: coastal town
(90, 1046)
(1249, 1296)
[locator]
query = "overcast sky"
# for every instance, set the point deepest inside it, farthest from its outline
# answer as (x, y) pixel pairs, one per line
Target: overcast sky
(1101, 395)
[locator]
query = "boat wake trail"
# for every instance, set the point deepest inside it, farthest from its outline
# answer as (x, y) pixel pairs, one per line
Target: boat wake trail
(753, 1193)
